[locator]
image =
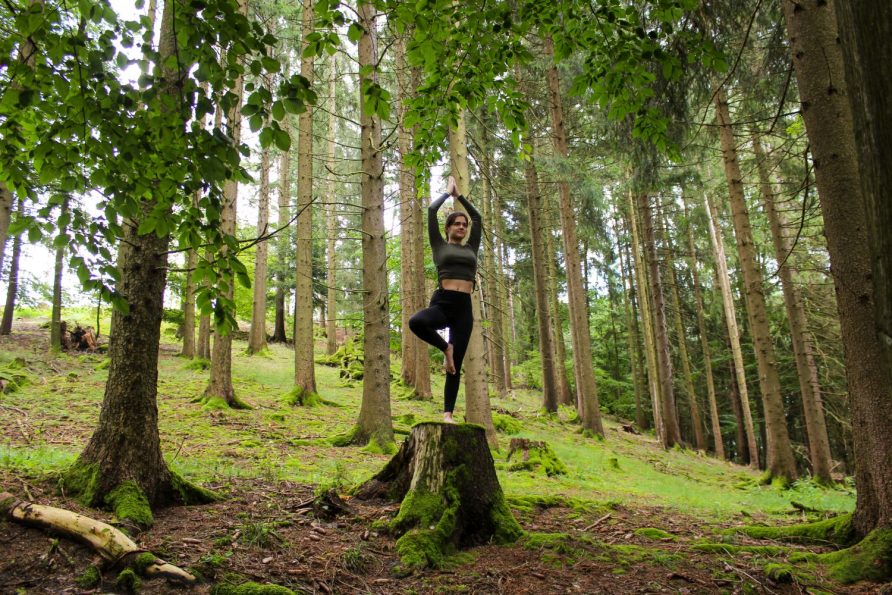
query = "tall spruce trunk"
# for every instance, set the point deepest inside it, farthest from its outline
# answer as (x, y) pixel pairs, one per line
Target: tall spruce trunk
(779, 461)
(718, 443)
(409, 343)
(422, 356)
(806, 368)
(283, 217)
(671, 434)
(504, 306)
(304, 364)
(5, 219)
(554, 307)
(12, 283)
(632, 335)
(853, 219)
(374, 423)
(477, 409)
(58, 269)
(580, 331)
(331, 219)
(644, 301)
(188, 349)
(724, 282)
(257, 336)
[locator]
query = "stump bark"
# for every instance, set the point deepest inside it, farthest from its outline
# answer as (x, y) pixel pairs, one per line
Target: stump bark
(445, 477)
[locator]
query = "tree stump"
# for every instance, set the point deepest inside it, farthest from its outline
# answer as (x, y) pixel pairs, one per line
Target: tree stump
(445, 477)
(536, 455)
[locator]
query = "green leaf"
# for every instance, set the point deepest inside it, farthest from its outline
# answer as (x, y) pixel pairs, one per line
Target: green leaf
(270, 64)
(278, 110)
(294, 106)
(354, 32)
(282, 139)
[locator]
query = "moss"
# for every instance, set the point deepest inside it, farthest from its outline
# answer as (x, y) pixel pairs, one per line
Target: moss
(778, 482)
(420, 548)
(130, 504)
(380, 444)
(727, 548)
(507, 529)
(143, 561)
(654, 533)
(542, 458)
(531, 504)
(301, 397)
(837, 530)
(81, 480)
(558, 542)
(199, 363)
(128, 581)
(89, 578)
(779, 573)
(190, 493)
(869, 559)
(506, 424)
(214, 403)
(251, 588)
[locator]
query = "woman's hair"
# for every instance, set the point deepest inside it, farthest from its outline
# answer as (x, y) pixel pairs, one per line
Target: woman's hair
(450, 219)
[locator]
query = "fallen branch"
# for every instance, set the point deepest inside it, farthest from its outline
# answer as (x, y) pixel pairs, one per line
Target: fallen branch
(109, 542)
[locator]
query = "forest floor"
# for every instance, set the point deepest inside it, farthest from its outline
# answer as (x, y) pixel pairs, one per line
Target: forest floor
(627, 517)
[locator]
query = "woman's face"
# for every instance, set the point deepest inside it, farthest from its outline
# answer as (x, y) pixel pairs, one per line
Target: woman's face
(458, 229)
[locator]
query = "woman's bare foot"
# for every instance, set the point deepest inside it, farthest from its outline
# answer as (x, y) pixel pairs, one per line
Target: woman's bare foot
(447, 417)
(450, 363)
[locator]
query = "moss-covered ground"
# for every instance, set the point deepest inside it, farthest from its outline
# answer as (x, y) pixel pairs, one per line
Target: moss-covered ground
(626, 510)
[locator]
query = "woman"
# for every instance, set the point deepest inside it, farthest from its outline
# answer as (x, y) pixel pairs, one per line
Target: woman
(450, 305)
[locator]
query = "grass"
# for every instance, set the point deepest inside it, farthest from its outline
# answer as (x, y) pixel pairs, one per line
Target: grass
(276, 441)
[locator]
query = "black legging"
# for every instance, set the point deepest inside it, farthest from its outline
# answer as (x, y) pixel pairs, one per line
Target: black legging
(447, 309)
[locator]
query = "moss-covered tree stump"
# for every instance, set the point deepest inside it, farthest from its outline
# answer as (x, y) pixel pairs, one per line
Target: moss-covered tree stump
(535, 455)
(445, 477)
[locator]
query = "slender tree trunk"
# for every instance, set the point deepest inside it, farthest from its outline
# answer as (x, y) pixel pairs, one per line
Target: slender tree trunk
(331, 220)
(724, 281)
(220, 385)
(554, 309)
(854, 220)
(644, 301)
(304, 365)
(778, 452)
(58, 268)
(718, 442)
(257, 337)
(12, 283)
(410, 344)
(5, 218)
(422, 356)
(189, 300)
(807, 370)
(284, 215)
(504, 306)
(632, 337)
(671, 433)
(374, 422)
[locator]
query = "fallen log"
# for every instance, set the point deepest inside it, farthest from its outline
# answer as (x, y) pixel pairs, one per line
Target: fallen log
(108, 541)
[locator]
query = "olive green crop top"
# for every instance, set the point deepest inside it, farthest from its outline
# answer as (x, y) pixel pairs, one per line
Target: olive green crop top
(455, 261)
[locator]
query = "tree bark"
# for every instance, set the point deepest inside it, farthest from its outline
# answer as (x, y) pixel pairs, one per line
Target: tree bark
(717, 442)
(257, 337)
(284, 214)
(331, 219)
(671, 434)
(5, 219)
(554, 307)
(58, 269)
(632, 335)
(724, 281)
(189, 306)
(374, 422)
(849, 176)
(806, 368)
(779, 461)
(304, 365)
(12, 283)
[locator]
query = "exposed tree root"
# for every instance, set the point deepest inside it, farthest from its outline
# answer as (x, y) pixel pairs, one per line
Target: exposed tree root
(109, 542)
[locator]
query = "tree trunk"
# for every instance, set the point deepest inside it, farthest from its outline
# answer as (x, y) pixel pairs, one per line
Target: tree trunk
(189, 306)
(220, 390)
(203, 346)
(779, 461)
(445, 477)
(806, 368)
(671, 434)
(374, 422)
(12, 283)
(58, 268)
(477, 408)
(331, 219)
(284, 215)
(304, 365)
(580, 331)
(504, 306)
(634, 343)
(257, 337)
(724, 281)
(718, 443)
(554, 306)
(644, 302)
(419, 285)
(854, 202)
(5, 219)
(410, 344)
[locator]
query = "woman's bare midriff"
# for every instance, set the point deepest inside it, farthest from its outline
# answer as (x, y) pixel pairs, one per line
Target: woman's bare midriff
(457, 285)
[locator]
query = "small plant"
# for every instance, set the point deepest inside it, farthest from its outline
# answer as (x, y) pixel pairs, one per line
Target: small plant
(354, 559)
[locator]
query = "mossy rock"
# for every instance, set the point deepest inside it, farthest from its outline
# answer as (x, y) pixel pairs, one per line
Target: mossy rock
(536, 456)
(445, 478)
